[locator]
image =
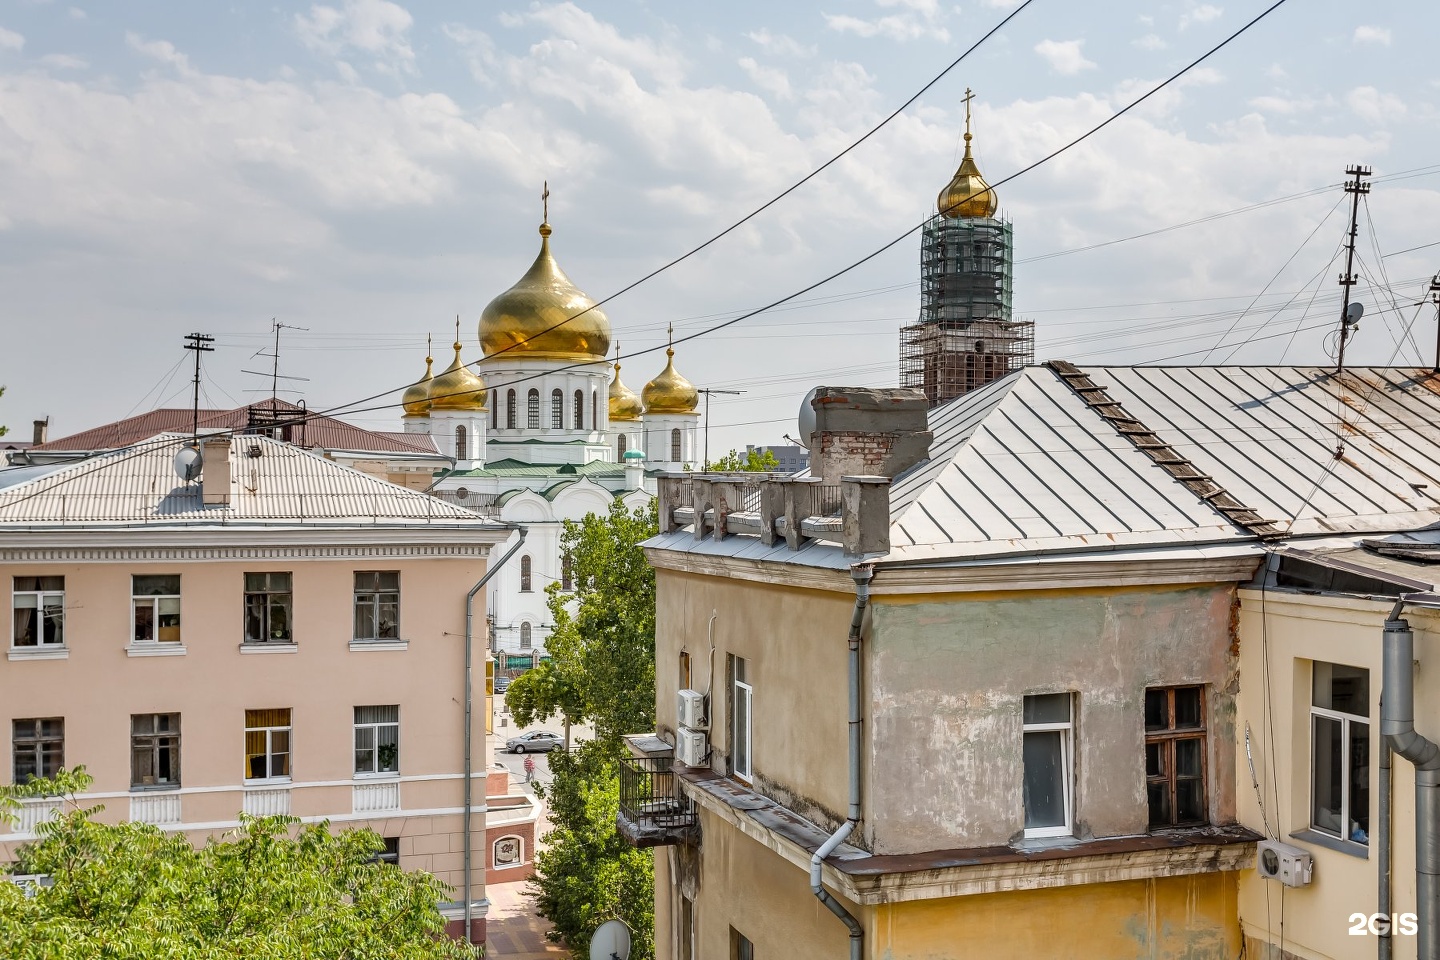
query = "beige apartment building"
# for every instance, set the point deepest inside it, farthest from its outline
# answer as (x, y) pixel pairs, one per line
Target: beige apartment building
(279, 635)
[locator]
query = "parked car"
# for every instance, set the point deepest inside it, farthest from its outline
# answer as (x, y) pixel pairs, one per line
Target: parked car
(538, 741)
(502, 684)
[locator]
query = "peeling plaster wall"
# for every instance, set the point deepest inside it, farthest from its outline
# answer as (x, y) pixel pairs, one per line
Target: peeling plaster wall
(946, 682)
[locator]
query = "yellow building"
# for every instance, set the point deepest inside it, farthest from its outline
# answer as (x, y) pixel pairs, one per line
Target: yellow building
(972, 690)
(277, 635)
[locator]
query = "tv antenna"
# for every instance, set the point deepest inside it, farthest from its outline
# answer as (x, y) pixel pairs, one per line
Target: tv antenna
(200, 343)
(1349, 319)
(707, 391)
(275, 375)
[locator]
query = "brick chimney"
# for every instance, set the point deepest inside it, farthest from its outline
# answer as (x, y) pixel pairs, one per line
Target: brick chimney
(862, 431)
(42, 431)
(215, 473)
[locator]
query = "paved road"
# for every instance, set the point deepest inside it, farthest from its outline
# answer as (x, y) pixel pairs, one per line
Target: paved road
(514, 762)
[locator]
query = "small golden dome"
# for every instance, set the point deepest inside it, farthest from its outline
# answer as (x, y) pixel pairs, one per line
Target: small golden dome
(967, 195)
(545, 315)
(670, 392)
(624, 404)
(416, 398)
(457, 388)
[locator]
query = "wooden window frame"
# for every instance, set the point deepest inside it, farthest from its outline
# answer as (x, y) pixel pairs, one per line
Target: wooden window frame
(1166, 738)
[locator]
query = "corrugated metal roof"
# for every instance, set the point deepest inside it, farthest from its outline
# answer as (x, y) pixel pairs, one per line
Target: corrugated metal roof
(282, 483)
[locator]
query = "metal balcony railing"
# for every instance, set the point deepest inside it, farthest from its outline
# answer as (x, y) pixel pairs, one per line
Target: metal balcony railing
(650, 796)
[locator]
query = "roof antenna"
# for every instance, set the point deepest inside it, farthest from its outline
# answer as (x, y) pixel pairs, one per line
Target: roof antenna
(1350, 313)
(200, 343)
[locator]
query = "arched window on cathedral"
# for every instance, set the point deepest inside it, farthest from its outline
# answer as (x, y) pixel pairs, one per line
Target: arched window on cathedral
(557, 410)
(525, 574)
(532, 409)
(510, 412)
(494, 409)
(594, 410)
(620, 444)
(525, 636)
(567, 574)
(579, 409)
(675, 445)
(462, 449)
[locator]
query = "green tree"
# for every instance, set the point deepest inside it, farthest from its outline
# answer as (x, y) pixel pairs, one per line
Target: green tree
(270, 888)
(751, 461)
(543, 692)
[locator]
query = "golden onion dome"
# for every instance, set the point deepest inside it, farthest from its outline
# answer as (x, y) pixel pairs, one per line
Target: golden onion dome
(967, 195)
(457, 388)
(670, 392)
(624, 404)
(545, 315)
(416, 398)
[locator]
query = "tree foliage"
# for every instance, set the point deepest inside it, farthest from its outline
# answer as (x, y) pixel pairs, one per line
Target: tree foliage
(751, 461)
(270, 888)
(543, 692)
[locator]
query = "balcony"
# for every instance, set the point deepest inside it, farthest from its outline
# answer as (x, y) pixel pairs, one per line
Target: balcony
(157, 808)
(32, 813)
(653, 810)
(376, 796)
(267, 802)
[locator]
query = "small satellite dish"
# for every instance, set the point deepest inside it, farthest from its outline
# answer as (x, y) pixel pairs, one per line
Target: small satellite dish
(188, 463)
(807, 416)
(1353, 313)
(610, 942)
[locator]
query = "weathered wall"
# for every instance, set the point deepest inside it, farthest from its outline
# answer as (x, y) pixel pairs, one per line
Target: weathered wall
(947, 676)
(794, 642)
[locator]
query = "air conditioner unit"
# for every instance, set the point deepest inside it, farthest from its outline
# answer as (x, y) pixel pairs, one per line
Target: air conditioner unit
(1280, 861)
(692, 710)
(692, 747)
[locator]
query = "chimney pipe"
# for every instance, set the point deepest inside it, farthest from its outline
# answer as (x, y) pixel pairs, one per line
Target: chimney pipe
(42, 431)
(215, 478)
(863, 431)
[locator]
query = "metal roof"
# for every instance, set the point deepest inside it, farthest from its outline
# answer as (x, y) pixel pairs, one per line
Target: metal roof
(270, 481)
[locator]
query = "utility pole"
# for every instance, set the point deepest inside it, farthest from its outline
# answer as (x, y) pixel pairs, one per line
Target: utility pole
(1357, 188)
(1435, 299)
(707, 391)
(200, 343)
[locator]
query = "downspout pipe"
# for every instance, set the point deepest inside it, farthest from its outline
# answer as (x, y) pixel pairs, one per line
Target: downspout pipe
(861, 573)
(493, 569)
(1397, 727)
(1385, 945)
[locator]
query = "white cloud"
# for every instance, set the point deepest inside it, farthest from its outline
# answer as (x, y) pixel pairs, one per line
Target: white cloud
(1149, 42)
(1201, 76)
(1204, 13)
(1376, 35)
(770, 79)
(1373, 106)
(161, 50)
(1284, 106)
(10, 40)
(1064, 56)
(921, 18)
(780, 44)
(77, 14)
(1145, 20)
(375, 28)
(64, 61)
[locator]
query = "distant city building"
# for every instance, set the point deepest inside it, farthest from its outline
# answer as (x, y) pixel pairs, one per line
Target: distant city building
(791, 459)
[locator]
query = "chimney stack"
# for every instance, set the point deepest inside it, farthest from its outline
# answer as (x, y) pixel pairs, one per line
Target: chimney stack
(42, 431)
(215, 476)
(862, 431)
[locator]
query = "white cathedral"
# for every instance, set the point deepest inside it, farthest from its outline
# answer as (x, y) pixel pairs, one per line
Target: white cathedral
(547, 432)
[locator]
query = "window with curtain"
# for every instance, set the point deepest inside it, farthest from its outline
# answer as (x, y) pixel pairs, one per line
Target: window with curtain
(579, 409)
(155, 608)
(526, 638)
(267, 608)
(525, 574)
(377, 605)
(377, 740)
(154, 750)
(39, 605)
(557, 410)
(510, 412)
(532, 409)
(267, 744)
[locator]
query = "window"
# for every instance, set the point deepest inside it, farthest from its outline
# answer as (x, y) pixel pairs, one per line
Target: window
(462, 446)
(155, 601)
(675, 452)
(579, 409)
(557, 410)
(685, 670)
(509, 852)
(1047, 756)
(1175, 755)
(510, 411)
(267, 744)
(390, 853)
(686, 929)
(39, 748)
(594, 410)
(155, 750)
(377, 605)
(620, 445)
(740, 946)
(532, 409)
(525, 636)
(1340, 751)
(377, 740)
(267, 608)
(525, 579)
(39, 604)
(742, 699)
(494, 409)
(567, 573)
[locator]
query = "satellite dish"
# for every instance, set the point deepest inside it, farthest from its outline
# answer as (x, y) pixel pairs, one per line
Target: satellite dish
(807, 416)
(611, 941)
(188, 463)
(1353, 313)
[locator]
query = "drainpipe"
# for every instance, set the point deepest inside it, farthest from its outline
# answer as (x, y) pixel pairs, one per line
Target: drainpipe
(861, 573)
(1382, 845)
(494, 568)
(1397, 727)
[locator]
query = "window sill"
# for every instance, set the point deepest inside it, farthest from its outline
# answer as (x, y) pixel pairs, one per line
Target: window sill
(387, 777)
(272, 783)
(269, 648)
(40, 653)
(147, 789)
(1348, 847)
(155, 650)
(1049, 833)
(369, 645)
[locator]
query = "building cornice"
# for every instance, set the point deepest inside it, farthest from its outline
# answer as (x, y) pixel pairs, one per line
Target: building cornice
(245, 543)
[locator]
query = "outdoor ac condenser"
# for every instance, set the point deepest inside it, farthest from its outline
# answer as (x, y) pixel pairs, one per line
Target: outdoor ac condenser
(1280, 861)
(692, 747)
(692, 710)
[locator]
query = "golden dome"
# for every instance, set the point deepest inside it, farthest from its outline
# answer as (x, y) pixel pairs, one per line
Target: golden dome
(624, 404)
(670, 392)
(457, 388)
(416, 398)
(545, 315)
(967, 195)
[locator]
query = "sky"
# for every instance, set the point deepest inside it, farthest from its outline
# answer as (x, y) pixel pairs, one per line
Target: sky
(365, 171)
